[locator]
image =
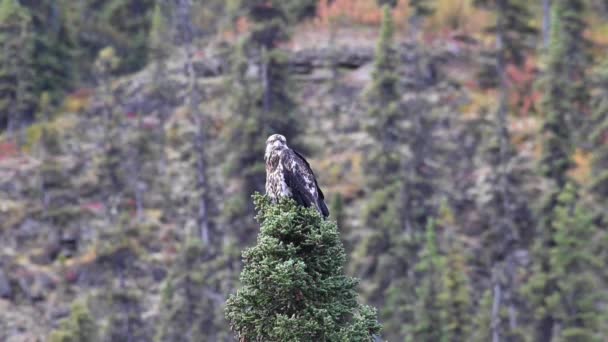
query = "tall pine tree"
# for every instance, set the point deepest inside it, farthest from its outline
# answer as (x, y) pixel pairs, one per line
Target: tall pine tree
(382, 169)
(56, 47)
(402, 167)
(599, 139)
(428, 320)
(575, 269)
(17, 97)
(260, 104)
(455, 296)
(564, 98)
(420, 9)
(80, 326)
(501, 196)
(192, 297)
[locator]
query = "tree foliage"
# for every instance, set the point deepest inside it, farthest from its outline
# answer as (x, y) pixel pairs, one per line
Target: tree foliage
(565, 92)
(428, 324)
(16, 77)
(293, 286)
(192, 297)
(79, 327)
(575, 269)
(599, 137)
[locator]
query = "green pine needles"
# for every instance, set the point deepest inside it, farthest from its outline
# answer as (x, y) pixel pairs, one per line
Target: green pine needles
(293, 284)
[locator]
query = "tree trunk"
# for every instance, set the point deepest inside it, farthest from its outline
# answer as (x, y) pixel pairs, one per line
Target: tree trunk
(136, 161)
(202, 217)
(503, 107)
(495, 320)
(264, 70)
(193, 101)
(546, 23)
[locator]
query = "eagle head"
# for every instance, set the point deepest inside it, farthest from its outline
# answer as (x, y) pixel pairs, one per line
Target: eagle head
(274, 142)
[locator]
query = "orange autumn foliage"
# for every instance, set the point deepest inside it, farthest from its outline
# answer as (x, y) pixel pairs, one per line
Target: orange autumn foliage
(524, 96)
(365, 12)
(581, 171)
(449, 15)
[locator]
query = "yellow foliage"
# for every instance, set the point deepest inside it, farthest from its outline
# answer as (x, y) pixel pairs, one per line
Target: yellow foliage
(33, 134)
(76, 104)
(446, 215)
(64, 123)
(581, 172)
(357, 164)
(154, 214)
(84, 259)
(598, 33)
(480, 102)
(458, 15)
(449, 15)
(13, 212)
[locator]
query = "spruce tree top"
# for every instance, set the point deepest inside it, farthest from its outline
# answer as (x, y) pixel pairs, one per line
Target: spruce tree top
(293, 285)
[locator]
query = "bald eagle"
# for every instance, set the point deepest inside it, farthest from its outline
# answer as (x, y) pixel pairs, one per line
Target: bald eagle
(288, 174)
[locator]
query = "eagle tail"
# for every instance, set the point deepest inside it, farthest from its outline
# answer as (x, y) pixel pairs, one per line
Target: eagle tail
(323, 208)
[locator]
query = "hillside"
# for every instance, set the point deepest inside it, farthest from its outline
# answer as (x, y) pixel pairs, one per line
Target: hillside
(130, 194)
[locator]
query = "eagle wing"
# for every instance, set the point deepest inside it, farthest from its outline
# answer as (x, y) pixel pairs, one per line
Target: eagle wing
(303, 183)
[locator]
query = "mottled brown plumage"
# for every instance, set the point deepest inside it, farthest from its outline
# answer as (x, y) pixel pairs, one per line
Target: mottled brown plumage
(289, 175)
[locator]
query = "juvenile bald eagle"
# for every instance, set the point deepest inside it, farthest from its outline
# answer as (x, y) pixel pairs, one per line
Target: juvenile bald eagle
(288, 174)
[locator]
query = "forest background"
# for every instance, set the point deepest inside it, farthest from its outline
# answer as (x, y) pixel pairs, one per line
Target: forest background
(462, 144)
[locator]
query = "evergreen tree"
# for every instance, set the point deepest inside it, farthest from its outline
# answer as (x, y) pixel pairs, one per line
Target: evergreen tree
(391, 3)
(125, 322)
(455, 297)
(428, 324)
(420, 9)
(514, 38)
(268, 16)
(96, 24)
(111, 171)
(126, 23)
(193, 101)
(79, 327)
(53, 179)
(59, 203)
(293, 287)
(159, 42)
(17, 98)
(192, 297)
(242, 134)
(337, 210)
(261, 105)
(482, 321)
(599, 139)
(546, 8)
(575, 269)
(55, 47)
(121, 298)
(160, 45)
(502, 196)
(565, 95)
(402, 167)
(567, 63)
(142, 155)
(382, 168)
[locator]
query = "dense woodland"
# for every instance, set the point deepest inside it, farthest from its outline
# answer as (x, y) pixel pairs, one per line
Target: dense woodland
(462, 145)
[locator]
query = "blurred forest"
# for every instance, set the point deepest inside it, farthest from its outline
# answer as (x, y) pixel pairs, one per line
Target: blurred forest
(462, 144)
